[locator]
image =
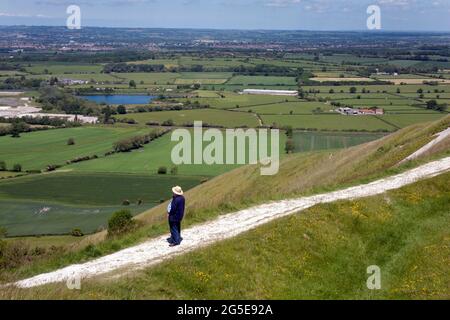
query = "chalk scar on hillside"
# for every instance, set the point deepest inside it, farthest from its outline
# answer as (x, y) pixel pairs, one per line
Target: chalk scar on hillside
(227, 226)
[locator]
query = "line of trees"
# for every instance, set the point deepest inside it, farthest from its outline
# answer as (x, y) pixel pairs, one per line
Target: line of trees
(434, 105)
(131, 68)
(137, 142)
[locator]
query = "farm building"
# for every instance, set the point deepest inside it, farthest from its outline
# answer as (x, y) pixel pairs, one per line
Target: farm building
(360, 112)
(73, 81)
(271, 92)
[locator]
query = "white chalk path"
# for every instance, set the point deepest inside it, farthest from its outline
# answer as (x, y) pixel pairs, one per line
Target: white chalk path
(157, 250)
(438, 138)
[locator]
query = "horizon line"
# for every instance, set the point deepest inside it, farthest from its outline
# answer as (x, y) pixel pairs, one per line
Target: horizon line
(232, 29)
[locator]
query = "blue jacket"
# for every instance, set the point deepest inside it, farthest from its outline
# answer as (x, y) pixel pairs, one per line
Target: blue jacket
(177, 210)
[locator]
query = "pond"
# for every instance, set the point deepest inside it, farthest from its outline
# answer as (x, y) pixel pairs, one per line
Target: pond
(120, 99)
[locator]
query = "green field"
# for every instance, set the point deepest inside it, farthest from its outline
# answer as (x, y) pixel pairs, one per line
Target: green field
(148, 78)
(58, 202)
(261, 80)
(409, 119)
(314, 141)
(61, 68)
(231, 100)
(300, 107)
(37, 150)
(328, 122)
(147, 161)
(209, 116)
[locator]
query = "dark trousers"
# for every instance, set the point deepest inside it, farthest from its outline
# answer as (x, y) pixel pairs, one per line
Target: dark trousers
(175, 231)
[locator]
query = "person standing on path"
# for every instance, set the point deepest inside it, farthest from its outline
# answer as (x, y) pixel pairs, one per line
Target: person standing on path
(176, 214)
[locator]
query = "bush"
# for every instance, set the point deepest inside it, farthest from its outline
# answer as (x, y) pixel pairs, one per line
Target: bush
(290, 146)
(2, 166)
(3, 232)
(52, 167)
(168, 123)
(162, 170)
(121, 109)
(77, 233)
(17, 168)
(120, 222)
(71, 142)
(174, 170)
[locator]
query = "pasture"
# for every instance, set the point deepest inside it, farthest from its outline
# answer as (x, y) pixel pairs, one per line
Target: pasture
(328, 122)
(37, 150)
(215, 117)
(63, 67)
(58, 202)
(262, 80)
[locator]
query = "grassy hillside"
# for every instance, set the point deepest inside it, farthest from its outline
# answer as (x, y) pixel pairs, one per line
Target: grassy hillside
(322, 253)
(300, 174)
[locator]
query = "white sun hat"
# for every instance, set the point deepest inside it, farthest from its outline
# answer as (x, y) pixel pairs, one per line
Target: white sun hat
(177, 190)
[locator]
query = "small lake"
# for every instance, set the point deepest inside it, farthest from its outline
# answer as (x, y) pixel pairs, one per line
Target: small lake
(120, 99)
(314, 141)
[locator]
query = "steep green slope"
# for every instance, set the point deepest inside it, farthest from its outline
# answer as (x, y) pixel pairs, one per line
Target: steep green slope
(321, 253)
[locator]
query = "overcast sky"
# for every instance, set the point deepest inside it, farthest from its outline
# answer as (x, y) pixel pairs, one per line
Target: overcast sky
(420, 15)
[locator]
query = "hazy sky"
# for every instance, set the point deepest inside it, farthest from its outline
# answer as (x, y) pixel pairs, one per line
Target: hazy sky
(419, 15)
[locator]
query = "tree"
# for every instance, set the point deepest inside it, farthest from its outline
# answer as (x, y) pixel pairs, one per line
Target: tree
(353, 90)
(18, 126)
(442, 107)
(17, 168)
(289, 131)
(162, 170)
(120, 222)
(121, 109)
(71, 142)
(432, 104)
(77, 233)
(290, 146)
(107, 112)
(2, 166)
(132, 84)
(174, 170)
(3, 232)
(168, 123)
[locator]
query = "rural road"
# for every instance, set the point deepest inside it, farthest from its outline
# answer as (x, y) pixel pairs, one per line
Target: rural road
(227, 226)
